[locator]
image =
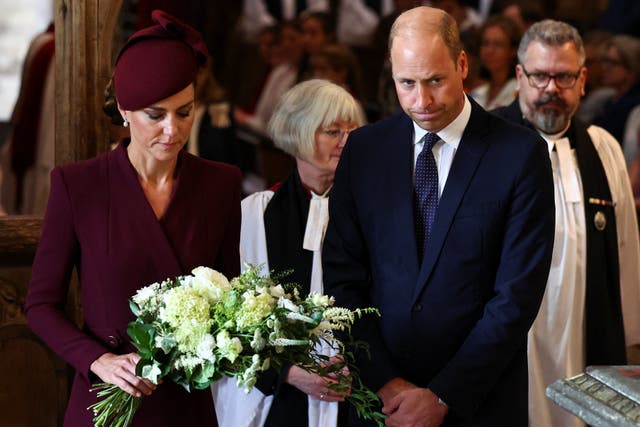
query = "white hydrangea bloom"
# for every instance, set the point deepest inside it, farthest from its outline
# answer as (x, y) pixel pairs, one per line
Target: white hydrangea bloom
(254, 309)
(187, 311)
(205, 348)
(187, 361)
(228, 348)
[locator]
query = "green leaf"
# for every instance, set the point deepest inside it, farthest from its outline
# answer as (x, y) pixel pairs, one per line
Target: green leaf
(143, 337)
(134, 308)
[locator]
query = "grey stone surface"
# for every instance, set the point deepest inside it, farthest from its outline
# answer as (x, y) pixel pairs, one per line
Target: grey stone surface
(603, 396)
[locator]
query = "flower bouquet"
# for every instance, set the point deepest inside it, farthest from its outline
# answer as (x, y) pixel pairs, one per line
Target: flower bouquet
(195, 329)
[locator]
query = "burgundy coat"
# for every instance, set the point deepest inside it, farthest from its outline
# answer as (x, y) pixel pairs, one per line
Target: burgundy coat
(99, 220)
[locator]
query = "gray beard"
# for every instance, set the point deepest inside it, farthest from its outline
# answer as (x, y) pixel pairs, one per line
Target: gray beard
(550, 121)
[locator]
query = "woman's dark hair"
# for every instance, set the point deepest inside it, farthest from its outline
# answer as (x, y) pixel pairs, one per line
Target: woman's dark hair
(325, 19)
(514, 34)
(110, 106)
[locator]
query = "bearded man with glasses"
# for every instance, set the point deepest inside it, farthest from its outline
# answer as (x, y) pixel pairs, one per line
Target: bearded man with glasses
(589, 314)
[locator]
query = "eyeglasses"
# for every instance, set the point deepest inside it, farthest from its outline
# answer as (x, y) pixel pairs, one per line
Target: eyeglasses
(541, 80)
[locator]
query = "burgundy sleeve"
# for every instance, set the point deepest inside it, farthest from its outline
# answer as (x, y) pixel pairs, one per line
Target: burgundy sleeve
(58, 252)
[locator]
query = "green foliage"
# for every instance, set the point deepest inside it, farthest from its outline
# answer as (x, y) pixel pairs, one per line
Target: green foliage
(195, 329)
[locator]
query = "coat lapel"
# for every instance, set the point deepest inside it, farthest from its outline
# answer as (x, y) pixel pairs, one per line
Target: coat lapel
(465, 163)
(138, 223)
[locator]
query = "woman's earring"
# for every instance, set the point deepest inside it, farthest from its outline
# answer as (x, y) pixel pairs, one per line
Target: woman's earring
(125, 124)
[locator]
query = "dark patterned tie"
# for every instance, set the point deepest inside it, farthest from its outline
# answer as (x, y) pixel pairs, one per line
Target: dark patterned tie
(425, 192)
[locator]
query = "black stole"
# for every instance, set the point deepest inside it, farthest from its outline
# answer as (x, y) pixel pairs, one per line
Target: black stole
(285, 221)
(604, 328)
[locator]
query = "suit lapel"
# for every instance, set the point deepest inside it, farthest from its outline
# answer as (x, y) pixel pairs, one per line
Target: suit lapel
(401, 184)
(465, 163)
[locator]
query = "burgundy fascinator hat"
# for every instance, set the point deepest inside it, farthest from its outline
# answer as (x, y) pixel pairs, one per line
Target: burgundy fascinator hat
(158, 61)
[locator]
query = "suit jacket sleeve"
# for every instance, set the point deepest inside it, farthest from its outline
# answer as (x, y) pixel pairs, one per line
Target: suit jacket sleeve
(347, 276)
(524, 257)
(57, 254)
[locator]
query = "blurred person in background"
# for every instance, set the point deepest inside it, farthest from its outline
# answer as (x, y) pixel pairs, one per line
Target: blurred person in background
(213, 132)
(523, 12)
(318, 31)
(285, 57)
(260, 14)
(28, 155)
(499, 38)
(597, 95)
(467, 18)
(337, 63)
(621, 71)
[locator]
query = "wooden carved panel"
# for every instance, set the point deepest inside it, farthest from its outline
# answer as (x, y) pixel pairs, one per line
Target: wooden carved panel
(34, 385)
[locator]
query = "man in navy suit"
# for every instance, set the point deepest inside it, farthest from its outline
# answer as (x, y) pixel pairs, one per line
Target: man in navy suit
(450, 345)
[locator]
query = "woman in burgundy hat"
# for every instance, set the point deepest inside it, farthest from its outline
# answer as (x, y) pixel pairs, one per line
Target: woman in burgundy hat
(143, 212)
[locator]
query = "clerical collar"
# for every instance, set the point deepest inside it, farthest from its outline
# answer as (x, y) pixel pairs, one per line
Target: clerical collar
(551, 138)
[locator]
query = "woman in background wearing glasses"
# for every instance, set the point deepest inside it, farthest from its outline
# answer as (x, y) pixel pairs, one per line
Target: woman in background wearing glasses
(498, 45)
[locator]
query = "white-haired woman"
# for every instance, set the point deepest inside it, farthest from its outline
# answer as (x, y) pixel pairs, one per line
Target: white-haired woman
(283, 228)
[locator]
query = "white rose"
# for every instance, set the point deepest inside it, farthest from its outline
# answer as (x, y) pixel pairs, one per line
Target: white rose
(320, 300)
(210, 282)
(209, 274)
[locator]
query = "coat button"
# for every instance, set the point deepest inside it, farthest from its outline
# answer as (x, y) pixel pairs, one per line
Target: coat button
(416, 308)
(113, 341)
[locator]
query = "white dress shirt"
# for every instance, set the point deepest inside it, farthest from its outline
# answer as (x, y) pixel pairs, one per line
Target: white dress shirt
(445, 149)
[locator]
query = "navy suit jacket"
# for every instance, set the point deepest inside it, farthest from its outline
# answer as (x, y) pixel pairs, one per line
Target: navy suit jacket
(457, 320)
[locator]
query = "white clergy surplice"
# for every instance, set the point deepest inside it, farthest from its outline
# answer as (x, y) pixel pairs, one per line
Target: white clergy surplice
(234, 407)
(556, 342)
